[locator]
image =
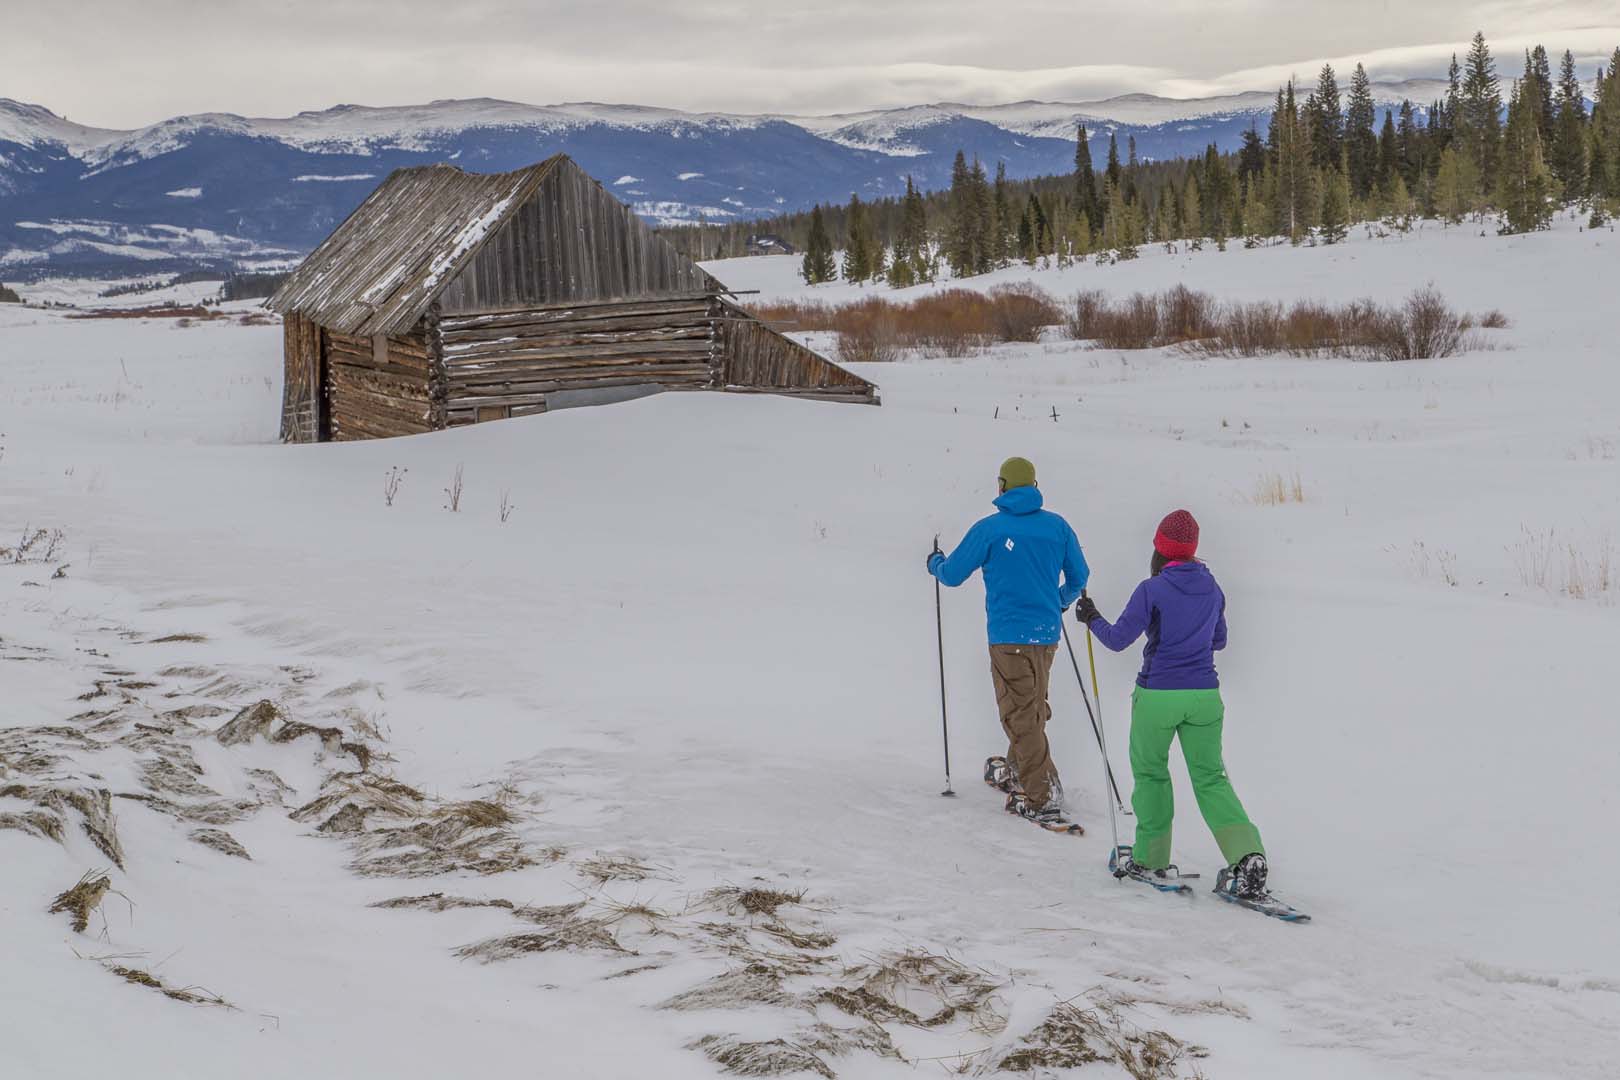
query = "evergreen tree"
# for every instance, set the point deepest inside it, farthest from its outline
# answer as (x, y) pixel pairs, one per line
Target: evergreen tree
(1452, 114)
(1536, 67)
(1450, 201)
(1567, 157)
(1113, 174)
(1479, 128)
(1292, 189)
(1082, 235)
(1335, 216)
(1192, 213)
(863, 253)
(1361, 146)
(1001, 240)
(910, 262)
(1408, 150)
(984, 221)
(1398, 205)
(1256, 216)
(1085, 179)
(1389, 153)
(1251, 156)
(1524, 186)
(1027, 249)
(1165, 227)
(819, 265)
(1327, 122)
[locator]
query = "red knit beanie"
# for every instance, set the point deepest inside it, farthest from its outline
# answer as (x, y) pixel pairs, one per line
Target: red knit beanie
(1177, 538)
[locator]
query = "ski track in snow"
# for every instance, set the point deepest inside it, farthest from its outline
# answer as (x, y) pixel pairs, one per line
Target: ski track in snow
(718, 662)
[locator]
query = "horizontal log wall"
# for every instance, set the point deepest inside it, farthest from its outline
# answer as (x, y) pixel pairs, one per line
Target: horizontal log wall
(378, 392)
(504, 363)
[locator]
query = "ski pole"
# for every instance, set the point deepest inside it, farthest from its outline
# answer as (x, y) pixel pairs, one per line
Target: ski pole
(1096, 688)
(944, 722)
(1095, 729)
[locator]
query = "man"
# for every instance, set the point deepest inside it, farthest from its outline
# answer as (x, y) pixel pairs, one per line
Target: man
(1022, 549)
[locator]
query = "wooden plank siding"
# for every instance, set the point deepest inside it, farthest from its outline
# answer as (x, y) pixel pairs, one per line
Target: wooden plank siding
(571, 242)
(757, 359)
(301, 412)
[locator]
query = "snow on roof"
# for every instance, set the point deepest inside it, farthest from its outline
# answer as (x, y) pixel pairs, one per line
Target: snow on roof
(379, 270)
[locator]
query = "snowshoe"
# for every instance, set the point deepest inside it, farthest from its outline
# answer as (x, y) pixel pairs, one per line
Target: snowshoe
(1245, 885)
(1170, 879)
(1049, 817)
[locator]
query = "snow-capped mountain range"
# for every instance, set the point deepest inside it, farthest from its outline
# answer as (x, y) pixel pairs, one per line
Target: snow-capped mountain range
(221, 189)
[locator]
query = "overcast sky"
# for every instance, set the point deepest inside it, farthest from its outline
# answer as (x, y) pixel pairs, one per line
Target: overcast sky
(117, 63)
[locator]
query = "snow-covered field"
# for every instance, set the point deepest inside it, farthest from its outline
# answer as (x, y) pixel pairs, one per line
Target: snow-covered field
(700, 652)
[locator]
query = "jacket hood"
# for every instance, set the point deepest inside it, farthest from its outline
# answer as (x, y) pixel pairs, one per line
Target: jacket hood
(1190, 578)
(1023, 500)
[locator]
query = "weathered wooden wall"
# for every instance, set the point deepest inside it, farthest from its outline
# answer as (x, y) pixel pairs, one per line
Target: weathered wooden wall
(756, 359)
(571, 242)
(376, 388)
(301, 400)
(505, 363)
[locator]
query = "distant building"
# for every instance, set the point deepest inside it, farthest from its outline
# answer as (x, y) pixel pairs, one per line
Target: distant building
(768, 244)
(450, 298)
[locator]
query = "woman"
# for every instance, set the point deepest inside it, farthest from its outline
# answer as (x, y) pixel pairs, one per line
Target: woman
(1183, 612)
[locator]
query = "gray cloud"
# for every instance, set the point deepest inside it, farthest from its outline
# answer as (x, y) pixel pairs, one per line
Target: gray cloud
(121, 64)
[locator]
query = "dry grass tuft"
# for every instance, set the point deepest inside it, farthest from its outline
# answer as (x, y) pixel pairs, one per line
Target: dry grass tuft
(755, 984)
(1072, 1036)
(40, 823)
(896, 987)
(605, 868)
(93, 805)
(179, 639)
(768, 1057)
(218, 812)
(570, 934)
(753, 901)
(82, 899)
(221, 841)
(1274, 489)
(250, 723)
(192, 995)
(440, 902)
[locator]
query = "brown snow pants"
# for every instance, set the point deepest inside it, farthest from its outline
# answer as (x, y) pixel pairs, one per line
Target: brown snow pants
(1022, 674)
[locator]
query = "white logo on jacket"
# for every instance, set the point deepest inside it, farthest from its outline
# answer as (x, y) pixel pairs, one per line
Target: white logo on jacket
(1009, 543)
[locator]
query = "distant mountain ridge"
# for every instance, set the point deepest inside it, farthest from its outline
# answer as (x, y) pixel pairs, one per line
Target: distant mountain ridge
(221, 189)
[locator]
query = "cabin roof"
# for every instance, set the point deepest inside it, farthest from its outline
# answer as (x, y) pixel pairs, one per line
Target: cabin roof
(383, 266)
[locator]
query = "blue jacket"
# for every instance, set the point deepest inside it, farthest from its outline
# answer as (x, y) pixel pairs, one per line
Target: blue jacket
(1183, 613)
(1021, 548)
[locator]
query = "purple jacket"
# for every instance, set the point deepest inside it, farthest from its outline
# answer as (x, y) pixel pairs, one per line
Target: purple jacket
(1183, 613)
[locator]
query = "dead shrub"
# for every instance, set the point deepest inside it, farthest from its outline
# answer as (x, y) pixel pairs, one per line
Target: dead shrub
(1494, 320)
(1080, 323)
(1021, 311)
(1423, 326)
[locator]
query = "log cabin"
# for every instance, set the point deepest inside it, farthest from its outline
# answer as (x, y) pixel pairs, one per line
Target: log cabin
(450, 298)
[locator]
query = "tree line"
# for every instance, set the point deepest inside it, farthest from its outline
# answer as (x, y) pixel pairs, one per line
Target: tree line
(1323, 164)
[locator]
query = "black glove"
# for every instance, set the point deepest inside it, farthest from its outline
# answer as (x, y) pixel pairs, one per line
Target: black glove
(932, 554)
(1085, 609)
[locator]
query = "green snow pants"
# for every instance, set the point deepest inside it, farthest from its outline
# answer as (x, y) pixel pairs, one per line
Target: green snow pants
(1157, 717)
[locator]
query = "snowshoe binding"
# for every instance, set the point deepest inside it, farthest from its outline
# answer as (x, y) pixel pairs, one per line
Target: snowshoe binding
(1049, 817)
(1170, 879)
(999, 774)
(1245, 885)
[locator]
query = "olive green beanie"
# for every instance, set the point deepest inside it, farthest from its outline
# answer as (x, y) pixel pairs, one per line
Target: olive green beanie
(1017, 472)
